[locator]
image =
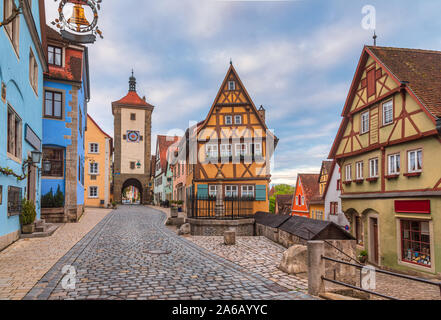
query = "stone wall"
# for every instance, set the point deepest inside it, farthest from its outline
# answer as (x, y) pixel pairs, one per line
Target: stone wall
(210, 227)
(8, 239)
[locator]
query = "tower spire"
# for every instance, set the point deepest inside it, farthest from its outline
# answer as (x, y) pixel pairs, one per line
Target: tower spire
(132, 82)
(375, 39)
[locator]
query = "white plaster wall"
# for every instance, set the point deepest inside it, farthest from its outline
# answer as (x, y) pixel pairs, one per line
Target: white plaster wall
(333, 195)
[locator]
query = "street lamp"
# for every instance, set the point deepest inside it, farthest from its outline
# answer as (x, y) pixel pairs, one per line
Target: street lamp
(36, 157)
(47, 166)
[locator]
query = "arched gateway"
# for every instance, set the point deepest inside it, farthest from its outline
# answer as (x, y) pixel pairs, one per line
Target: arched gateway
(132, 133)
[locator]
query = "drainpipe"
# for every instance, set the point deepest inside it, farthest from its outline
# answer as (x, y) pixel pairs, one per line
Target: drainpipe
(438, 125)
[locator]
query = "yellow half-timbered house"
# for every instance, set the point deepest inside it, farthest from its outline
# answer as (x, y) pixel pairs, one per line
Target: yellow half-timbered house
(389, 150)
(231, 149)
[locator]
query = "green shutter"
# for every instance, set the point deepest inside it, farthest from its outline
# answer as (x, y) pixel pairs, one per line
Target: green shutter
(261, 193)
(202, 191)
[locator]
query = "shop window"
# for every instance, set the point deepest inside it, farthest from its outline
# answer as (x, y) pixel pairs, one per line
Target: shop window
(415, 242)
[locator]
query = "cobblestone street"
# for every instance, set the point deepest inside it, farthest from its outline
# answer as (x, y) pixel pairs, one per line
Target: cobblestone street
(130, 254)
(26, 261)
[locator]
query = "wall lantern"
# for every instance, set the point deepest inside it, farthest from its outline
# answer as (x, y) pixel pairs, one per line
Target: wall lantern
(47, 166)
(36, 157)
(138, 164)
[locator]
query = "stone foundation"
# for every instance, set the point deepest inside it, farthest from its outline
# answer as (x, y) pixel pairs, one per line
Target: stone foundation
(9, 239)
(211, 227)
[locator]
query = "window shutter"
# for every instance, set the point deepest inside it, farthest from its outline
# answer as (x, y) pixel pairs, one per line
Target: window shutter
(202, 191)
(261, 193)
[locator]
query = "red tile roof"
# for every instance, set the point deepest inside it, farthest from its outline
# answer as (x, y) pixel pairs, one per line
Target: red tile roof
(132, 99)
(164, 142)
(310, 185)
(422, 68)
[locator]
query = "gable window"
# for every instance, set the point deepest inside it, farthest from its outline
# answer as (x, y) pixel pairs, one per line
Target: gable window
(359, 170)
(231, 85)
(94, 148)
(241, 149)
(348, 172)
(94, 168)
(338, 185)
(54, 56)
(226, 150)
(247, 191)
(238, 119)
(373, 168)
(388, 112)
(93, 192)
(228, 120)
(52, 105)
(394, 164)
(55, 157)
(12, 29)
(303, 200)
(14, 134)
(213, 191)
(333, 208)
(371, 82)
(33, 72)
(365, 122)
(231, 191)
(211, 150)
(415, 160)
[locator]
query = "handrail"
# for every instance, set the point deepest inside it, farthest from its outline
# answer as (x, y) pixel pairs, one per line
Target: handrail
(360, 289)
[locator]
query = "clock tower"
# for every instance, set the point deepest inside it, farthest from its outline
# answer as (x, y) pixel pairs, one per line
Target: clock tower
(132, 133)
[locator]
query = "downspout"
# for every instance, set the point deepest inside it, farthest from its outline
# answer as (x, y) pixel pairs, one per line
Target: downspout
(438, 125)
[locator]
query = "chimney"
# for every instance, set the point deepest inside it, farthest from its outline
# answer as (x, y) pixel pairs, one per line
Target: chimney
(262, 113)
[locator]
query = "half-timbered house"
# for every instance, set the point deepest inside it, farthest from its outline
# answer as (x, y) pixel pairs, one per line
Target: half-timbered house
(389, 149)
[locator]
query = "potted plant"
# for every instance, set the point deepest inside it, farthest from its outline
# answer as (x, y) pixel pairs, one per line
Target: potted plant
(180, 205)
(174, 209)
(362, 256)
(27, 217)
(114, 204)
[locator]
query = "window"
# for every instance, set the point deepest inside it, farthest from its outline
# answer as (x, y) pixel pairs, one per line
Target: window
(247, 191)
(94, 168)
(231, 191)
(348, 172)
(213, 191)
(54, 55)
(394, 164)
(212, 151)
(365, 122)
(13, 28)
(158, 166)
(388, 112)
(241, 149)
(228, 119)
(14, 201)
(33, 71)
(238, 119)
(52, 105)
(133, 116)
(333, 208)
(415, 160)
(14, 134)
(1, 195)
(303, 200)
(93, 192)
(132, 165)
(297, 200)
(319, 215)
(55, 157)
(226, 150)
(373, 168)
(415, 242)
(94, 148)
(257, 149)
(359, 170)
(338, 185)
(371, 82)
(80, 121)
(231, 85)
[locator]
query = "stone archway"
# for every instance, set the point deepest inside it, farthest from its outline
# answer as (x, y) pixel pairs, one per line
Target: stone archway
(132, 183)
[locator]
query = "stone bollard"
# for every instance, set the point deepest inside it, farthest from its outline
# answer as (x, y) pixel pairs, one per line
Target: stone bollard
(316, 267)
(230, 237)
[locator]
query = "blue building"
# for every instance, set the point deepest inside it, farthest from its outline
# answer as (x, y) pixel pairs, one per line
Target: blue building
(66, 94)
(22, 63)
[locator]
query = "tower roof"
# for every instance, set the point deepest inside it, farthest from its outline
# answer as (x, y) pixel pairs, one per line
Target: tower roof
(132, 98)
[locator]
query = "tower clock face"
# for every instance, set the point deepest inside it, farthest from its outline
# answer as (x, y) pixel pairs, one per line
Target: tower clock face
(133, 136)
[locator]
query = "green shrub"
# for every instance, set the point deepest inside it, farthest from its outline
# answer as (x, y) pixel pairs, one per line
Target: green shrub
(47, 200)
(28, 213)
(363, 253)
(59, 198)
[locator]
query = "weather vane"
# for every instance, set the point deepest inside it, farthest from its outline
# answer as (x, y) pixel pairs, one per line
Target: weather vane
(77, 28)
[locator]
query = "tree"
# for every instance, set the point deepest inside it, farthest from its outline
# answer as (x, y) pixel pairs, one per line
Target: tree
(280, 189)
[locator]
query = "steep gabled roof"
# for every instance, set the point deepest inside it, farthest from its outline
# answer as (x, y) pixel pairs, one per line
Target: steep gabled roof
(326, 164)
(310, 185)
(163, 143)
(133, 99)
(284, 203)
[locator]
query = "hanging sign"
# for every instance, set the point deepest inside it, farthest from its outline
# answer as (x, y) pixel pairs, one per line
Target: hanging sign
(78, 20)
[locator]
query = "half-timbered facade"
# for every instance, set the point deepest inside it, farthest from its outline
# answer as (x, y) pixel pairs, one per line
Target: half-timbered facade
(389, 148)
(229, 151)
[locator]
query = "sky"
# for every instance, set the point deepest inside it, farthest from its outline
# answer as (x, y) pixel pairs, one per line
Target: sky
(296, 58)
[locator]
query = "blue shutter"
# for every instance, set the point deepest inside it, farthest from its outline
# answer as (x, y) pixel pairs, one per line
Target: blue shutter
(203, 191)
(261, 193)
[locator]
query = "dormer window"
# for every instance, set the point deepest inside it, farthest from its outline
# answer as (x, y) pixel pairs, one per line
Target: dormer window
(231, 85)
(55, 55)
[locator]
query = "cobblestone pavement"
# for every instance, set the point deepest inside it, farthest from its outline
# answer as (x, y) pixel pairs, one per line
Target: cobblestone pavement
(131, 255)
(257, 254)
(26, 261)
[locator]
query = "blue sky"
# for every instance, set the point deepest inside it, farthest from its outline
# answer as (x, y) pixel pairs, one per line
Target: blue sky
(296, 58)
